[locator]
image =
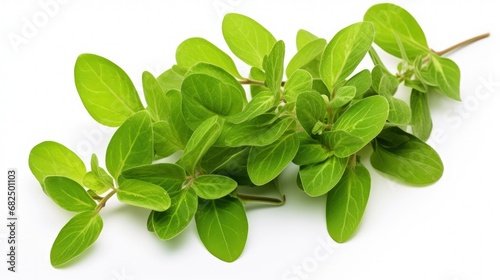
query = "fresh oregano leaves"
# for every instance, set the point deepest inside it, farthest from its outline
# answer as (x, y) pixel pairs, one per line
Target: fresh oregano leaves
(207, 134)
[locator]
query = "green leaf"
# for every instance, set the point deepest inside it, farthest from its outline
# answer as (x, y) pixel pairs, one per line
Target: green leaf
(201, 140)
(361, 81)
(75, 237)
(266, 163)
(259, 105)
(204, 96)
(305, 55)
(357, 126)
(169, 176)
(220, 74)
(346, 203)
(311, 108)
(303, 38)
(143, 194)
(106, 91)
(155, 97)
(310, 151)
(97, 179)
(165, 142)
(170, 223)
(131, 145)
(51, 158)
(273, 67)
(344, 52)
(170, 80)
(213, 186)
(195, 50)
(260, 131)
(223, 227)
(68, 194)
(383, 82)
(247, 39)
(409, 160)
(320, 178)
(218, 157)
(343, 95)
(445, 74)
(421, 120)
(393, 23)
(299, 82)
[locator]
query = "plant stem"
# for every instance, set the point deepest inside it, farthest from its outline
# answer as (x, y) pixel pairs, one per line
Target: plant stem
(102, 203)
(263, 199)
(462, 44)
(247, 81)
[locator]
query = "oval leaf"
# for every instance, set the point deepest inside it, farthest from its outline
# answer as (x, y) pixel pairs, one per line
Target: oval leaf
(155, 97)
(344, 52)
(320, 178)
(170, 223)
(343, 96)
(421, 120)
(195, 50)
(131, 145)
(346, 203)
(223, 227)
(311, 108)
(143, 194)
(51, 158)
(392, 24)
(273, 67)
(106, 91)
(409, 160)
(445, 74)
(300, 81)
(259, 105)
(169, 176)
(68, 194)
(305, 55)
(75, 237)
(247, 39)
(266, 163)
(213, 186)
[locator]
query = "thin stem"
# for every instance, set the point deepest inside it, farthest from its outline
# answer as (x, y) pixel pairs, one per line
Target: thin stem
(263, 199)
(462, 44)
(102, 203)
(247, 81)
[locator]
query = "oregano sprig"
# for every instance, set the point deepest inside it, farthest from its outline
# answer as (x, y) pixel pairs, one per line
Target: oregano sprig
(322, 117)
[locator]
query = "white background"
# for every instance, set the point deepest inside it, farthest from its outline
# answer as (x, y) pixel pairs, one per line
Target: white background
(447, 231)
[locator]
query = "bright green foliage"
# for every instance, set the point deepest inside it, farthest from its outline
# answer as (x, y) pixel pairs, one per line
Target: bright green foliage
(209, 139)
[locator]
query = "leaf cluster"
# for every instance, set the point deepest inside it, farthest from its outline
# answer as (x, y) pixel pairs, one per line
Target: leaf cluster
(206, 131)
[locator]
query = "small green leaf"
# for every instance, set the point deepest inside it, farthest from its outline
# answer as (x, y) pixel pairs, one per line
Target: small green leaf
(131, 145)
(303, 38)
(155, 97)
(195, 50)
(213, 186)
(223, 227)
(361, 81)
(170, 223)
(409, 160)
(75, 237)
(165, 142)
(143, 194)
(204, 96)
(421, 120)
(106, 91)
(445, 74)
(343, 95)
(344, 52)
(346, 203)
(300, 81)
(259, 105)
(68, 194)
(247, 39)
(201, 140)
(266, 163)
(311, 108)
(310, 151)
(169, 176)
(97, 179)
(320, 178)
(305, 55)
(392, 24)
(357, 126)
(273, 67)
(260, 131)
(217, 158)
(51, 158)
(383, 82)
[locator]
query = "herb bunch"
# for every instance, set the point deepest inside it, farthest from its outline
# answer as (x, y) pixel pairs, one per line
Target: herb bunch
(319, 118)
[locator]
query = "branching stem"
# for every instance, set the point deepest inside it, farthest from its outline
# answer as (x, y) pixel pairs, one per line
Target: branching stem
(462, 44)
